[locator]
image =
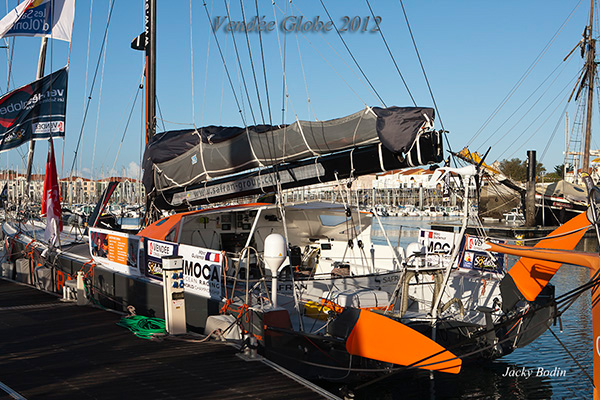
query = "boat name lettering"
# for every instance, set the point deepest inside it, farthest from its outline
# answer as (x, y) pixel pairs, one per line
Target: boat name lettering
(438, 247)
(208, 272)
(391, 279)
(293, 23)
(251, 183)
(287, 287)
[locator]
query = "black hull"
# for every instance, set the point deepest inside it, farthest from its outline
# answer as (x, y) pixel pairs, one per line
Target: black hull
(555, 214)
(316, 357)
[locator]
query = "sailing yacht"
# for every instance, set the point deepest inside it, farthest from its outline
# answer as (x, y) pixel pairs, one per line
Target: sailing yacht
(304, 280)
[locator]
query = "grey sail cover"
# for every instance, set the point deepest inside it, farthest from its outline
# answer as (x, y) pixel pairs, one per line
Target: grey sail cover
(177, 159)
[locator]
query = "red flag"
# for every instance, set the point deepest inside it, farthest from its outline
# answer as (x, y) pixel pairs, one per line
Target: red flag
(51, 199)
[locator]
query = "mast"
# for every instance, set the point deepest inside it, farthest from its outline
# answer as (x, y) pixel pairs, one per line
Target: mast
(591, 71)
(150, 69)
(39, 75)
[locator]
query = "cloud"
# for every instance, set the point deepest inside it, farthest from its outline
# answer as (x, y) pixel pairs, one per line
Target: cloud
(133, 170)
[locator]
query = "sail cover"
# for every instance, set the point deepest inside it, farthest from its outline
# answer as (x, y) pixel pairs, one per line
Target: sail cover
(177, 159)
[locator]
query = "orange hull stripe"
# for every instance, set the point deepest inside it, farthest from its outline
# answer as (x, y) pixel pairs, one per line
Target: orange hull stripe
(532, 276)
(380, 338)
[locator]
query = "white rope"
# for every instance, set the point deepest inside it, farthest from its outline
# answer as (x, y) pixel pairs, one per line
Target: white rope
(304, 138)
(252, 148)
(201, 152)
(379, 148)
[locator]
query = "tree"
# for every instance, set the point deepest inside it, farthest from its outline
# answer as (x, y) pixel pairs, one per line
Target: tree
(559, 170)
(516, 169)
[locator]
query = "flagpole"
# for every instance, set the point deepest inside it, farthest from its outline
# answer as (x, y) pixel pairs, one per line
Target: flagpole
(40, 75)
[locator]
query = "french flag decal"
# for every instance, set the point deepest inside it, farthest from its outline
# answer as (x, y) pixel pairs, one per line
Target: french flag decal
(214, 257)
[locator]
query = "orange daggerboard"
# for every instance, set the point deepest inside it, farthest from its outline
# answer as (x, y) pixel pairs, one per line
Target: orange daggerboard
(531, 276)
(380, 338)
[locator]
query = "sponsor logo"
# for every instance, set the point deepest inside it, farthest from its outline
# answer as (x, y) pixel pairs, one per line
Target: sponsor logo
(49, 127)
(14, 136)
(159, 250)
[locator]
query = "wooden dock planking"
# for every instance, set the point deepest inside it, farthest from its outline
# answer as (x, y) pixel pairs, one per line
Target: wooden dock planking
(55, 350)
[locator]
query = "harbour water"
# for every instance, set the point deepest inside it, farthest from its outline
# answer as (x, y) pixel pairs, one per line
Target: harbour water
(541, 370)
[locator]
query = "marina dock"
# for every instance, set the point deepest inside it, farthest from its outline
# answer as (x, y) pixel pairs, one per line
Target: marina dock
(56, 350)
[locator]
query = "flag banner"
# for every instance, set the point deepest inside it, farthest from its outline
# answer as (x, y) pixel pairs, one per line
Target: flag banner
(46, 18)
(51, 199)
(34, 112)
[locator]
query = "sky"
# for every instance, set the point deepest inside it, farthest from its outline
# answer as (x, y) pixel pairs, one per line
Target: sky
(474, 54)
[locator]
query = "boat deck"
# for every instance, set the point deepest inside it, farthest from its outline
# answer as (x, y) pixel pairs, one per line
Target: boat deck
(56, 350)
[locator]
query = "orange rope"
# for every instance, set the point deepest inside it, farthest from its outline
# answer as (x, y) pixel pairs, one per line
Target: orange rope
(243, 309)
(225, 307)
(91, 271)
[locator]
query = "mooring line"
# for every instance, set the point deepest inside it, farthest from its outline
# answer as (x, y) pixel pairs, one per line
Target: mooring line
(12, 393)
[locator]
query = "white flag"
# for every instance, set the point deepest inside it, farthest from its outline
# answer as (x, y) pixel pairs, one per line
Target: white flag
(46, 18)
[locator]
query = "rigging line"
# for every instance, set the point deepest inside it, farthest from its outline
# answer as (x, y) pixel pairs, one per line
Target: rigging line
(12, 52)
(223, 89)
(98, 111)
(191, 64)
(539, 127)
(92, 88)
(531, 107)
(558, 123)
(262, 114)
(283, 58)
(239, 62)
(352, 56)
(571, 355)
(175, 123)
(264, 67)
(337, 73)
(564, 65)
(206, 73)
(262, 53)
(252, 63)
(310, 107)
(341, 59)
(535, 119)
(224, 63)
(87, 59)
(160, 113)
(396, 64)
(523, 77)
(126, 126)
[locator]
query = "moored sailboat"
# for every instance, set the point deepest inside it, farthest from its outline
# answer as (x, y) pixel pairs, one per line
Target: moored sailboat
(222, 248)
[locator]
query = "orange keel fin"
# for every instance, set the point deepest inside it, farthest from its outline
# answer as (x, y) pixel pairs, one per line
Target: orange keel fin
(380, 338)
(531, 276)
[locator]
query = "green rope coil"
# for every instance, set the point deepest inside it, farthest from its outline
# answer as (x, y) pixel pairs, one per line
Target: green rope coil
(144, 327)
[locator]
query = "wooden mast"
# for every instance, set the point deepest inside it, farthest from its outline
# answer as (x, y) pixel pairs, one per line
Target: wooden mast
(591, 71)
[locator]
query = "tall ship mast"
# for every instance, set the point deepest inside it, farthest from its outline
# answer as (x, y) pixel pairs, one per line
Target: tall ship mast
(590, 72)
